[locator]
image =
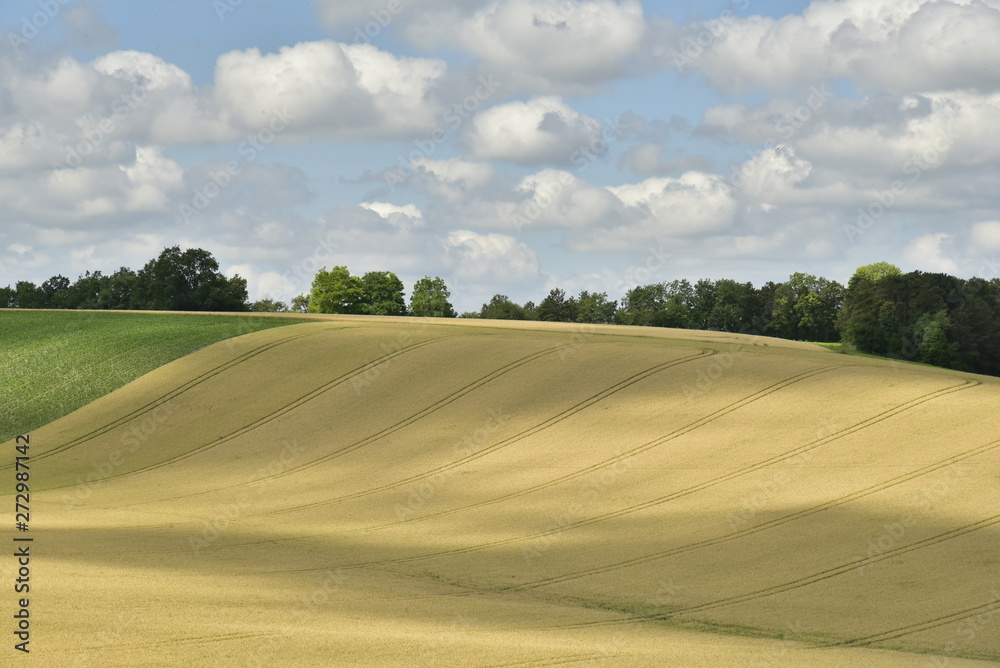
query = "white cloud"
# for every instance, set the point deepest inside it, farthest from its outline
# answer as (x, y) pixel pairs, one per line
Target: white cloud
(928, 253)
(986, 237)
(340, 91)
(560, 199)
(143, 69)
(694, 204)
(399, 216)
(542, 130)
(492, 259)
(544, 45)
(902, 46)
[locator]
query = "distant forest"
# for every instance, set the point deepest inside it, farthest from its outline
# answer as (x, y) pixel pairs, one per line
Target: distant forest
(923, 317)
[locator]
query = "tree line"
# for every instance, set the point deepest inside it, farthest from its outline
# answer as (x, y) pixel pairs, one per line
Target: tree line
(190, 280)
(805, 307)
(925, 317)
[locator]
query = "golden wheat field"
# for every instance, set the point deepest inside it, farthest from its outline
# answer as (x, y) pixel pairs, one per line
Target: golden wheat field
(400, 492)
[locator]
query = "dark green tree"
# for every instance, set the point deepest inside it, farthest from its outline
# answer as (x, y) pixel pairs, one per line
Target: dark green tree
(595, 308)
(29, 295)
(502, 308)
(556, 308)
(268, 305)
(119, 291)
(8, 297)
(56, 293)
(382, 294)
(188, 281)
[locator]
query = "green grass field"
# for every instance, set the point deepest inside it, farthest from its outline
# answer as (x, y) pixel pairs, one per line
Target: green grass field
(53, 362)
(377, 491)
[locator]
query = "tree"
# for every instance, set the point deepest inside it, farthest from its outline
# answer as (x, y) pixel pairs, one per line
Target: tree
(556, 308)
(932, 334)
(335, 291)
(645, 306)
(876, 271)
(8, 297)
(188, 281)
(119, 291)
(382, 294)
(268, 305)
(300, 304)
(430, 299)
(805, 308)
(86, 292)
(56, 292)
(502, 308)
(29, 296)
(594, 308)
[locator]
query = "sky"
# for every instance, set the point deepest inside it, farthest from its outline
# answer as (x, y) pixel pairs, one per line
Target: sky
(508, 146)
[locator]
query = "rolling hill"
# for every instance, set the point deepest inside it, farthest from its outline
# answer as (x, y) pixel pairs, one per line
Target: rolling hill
(378, 491)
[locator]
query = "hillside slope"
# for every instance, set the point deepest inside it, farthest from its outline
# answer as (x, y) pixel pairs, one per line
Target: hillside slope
(401, 492)
(53, 362)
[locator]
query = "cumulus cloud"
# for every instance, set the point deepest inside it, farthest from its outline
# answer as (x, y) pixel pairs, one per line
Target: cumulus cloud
(930, 253)
(911, 46)
(544, 45)
(652, 159)
(985, 237)
(556, 198)
(492, 259)
(337, 90)
(400, 216)
(542, 130)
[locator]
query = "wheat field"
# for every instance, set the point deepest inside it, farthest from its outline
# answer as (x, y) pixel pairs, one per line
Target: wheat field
(379, 491)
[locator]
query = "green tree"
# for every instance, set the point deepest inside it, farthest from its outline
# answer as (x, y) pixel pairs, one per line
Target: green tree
(876, 271)
(932, 333)
(268, 305)
(556, 308)
(300, 304)
(382, 294)
(336, 291)
(29, 296)
(86, 292)
(805, 308)
(645, 306)
(56, 292)
(430, 299)
(594, 308)
(502, 308)
(188, 281)
(120, 290)
(8, 297)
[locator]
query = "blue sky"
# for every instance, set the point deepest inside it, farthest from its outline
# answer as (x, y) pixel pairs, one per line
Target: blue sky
(612, 143)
